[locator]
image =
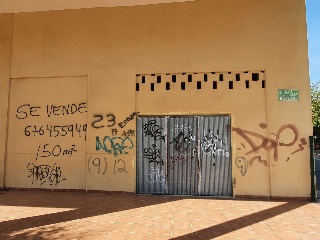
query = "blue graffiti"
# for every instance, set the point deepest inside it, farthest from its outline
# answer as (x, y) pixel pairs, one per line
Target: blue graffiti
(114, 145)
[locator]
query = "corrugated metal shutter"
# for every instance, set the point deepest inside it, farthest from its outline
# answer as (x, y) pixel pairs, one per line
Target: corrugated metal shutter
(215, 156)
(152, 155)
(184, 155)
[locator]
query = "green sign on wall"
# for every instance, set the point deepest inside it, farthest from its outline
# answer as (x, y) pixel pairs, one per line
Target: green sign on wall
(288, 95)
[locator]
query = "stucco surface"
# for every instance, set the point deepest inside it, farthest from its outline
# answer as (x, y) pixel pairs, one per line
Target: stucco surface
(110, 46)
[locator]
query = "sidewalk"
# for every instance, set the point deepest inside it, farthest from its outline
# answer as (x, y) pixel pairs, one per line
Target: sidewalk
(44, 215)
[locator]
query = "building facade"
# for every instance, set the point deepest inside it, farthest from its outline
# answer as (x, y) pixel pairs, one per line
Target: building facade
(191, 98)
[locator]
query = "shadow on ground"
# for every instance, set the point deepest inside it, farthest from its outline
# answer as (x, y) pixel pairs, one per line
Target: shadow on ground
(77, 206)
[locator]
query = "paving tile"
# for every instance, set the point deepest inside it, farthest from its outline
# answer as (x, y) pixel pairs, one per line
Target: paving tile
(224, 238)
(200, 223)
(308, 220)
(212, 222)
(147, 213)
(94, 235)
(228, 235)
(245, 234)
(127, 219)
(288, 235)
(194, 215)
(144, 220)
(198, 229)
(75, 231)
(260, 227)
(199, 213)
(132, 212)
(196, 205)
(70, 236)
(289, 220)
(101, 226)
(181, 230)
(121, 227)
(82, 226)
(39, 215)
(205, 233)
(160, 237)
(309, 236)
(141, 228)
(274, 220)
(181, 209)
(279, 227)
(300, 228)
(267, 235)
(216, 218)
(91, 219)
(165, 211)
(165, 214)
(161, 229)
(52, 234)
(162, 221)
(315, 228)
(181, 214)
(137, 236)
(26, 237)
(108, 219)
(182, 222)
(116, 236)
(181, 201)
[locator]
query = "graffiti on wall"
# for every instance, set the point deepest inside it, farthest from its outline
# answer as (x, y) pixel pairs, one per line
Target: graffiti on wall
(154, 175)
(287, 136)
(114, 145)
(172, 147)
(153, 130)
(99, 165)
(109, 120)
(184, 146)
(153, 155)
(182, 142)
(26, 111)
(242, 163)
(178, 157)
(54, 131)
(44, 173)
(119, 142)
(47, 150)
(213, 145)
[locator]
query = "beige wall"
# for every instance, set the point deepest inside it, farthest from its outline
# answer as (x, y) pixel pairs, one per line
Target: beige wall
(111, 45)
(16, 6)
(6, 23)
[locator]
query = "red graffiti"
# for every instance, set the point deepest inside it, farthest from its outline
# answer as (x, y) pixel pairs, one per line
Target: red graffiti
(269, 144)
(303, 142)
(259, 160)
